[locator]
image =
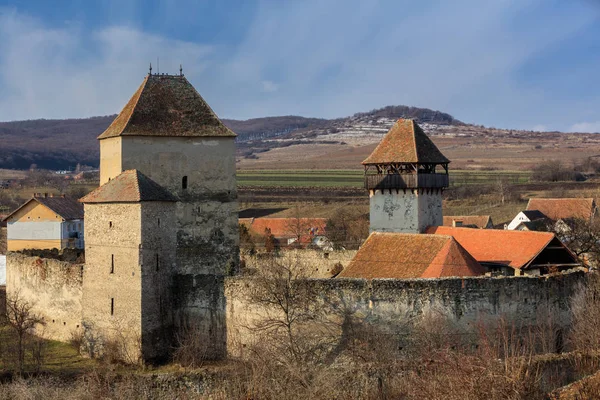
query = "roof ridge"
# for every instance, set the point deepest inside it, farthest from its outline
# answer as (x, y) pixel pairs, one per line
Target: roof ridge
(136, 95)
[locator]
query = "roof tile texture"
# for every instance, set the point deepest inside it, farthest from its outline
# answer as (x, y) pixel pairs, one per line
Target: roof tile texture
(405, 256)
(406, 142)
(556, 209)
(130, 186)
(513, 248)
(166, 105)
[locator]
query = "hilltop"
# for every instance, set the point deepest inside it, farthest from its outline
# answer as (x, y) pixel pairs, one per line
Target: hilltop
(301, 142)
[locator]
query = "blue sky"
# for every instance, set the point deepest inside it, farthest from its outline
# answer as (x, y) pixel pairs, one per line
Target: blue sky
(529, 64)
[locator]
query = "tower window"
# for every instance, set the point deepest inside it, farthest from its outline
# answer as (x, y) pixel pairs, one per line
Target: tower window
(159, 222)
(112, 306)
(184, 182)
(110, 224)
(112, 263)
(157, 262)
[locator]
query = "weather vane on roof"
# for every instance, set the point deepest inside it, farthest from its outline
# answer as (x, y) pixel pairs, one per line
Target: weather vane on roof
(180, 70)
(150, 73)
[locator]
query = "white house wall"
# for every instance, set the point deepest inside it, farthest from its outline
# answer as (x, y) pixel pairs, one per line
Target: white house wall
(48, 230)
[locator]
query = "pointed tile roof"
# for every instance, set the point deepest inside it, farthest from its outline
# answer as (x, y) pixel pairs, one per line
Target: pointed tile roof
(166, 105)
(406, 255)
(130, 186)
(406, 142)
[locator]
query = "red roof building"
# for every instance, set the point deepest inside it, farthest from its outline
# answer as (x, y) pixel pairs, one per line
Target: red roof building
(555, 209)
(406, 255)
(287, 230)
(512, 252)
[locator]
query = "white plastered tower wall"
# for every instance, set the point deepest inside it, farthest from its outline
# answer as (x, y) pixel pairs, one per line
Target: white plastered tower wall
(405, 210)
(405, 176)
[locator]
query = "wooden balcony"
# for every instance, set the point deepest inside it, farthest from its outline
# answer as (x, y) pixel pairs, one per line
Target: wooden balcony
(406, 181)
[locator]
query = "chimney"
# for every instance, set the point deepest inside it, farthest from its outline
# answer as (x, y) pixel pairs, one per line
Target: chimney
(45, 195)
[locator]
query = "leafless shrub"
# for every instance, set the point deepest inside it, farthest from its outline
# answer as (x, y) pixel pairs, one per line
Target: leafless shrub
(22, 321)
(192, 348)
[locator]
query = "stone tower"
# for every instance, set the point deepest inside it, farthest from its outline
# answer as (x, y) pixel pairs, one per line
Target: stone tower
(130, 258)
(170, 134)
(405, 176)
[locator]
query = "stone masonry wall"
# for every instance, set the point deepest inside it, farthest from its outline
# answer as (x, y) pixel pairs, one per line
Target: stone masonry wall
(112, 289)
(464, 302)
(53, 287)
(2, 300)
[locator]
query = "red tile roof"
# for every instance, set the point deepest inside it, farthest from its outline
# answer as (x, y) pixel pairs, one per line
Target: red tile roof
(406, 255)
(166, 105)
(130, 186)
(479, 221)
(285, 227)
(406, 143)
(564, 208)
(513, 248)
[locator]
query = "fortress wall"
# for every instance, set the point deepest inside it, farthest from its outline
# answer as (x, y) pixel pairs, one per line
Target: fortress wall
(2, 301)
(52, 287)
(386, 302)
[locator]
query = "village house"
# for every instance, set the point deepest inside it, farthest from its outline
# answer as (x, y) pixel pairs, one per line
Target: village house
(504, 252)
(290, 231)
(46, 222)
(557, 209)
(468, 221)
(557, 214)
(528, 220)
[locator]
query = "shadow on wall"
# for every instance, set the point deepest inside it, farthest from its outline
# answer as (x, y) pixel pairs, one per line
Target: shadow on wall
(2, 270)
(2, 301)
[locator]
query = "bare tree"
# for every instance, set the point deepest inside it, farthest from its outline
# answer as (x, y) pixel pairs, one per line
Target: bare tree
(581, 236)
(22, 320)
(289, 315)
(297, 226)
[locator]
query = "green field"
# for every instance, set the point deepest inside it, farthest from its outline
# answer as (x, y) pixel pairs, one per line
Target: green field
(354, 178)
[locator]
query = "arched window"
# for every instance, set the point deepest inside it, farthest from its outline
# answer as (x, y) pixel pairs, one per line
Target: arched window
(184, 182)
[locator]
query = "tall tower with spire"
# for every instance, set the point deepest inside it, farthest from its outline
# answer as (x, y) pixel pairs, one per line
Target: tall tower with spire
(405, 176)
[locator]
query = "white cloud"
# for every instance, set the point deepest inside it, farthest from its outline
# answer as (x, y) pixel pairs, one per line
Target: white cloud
(332, 58)
(269, 86)
(540, 128)
(66, 72)
(591, 127)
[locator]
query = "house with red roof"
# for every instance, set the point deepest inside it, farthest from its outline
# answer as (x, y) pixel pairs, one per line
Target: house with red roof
(288, 231)
(504, 252)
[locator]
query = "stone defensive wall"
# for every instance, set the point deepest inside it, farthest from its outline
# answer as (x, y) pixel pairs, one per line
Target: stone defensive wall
(53, 288)
(2, 301)
(389, 303)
